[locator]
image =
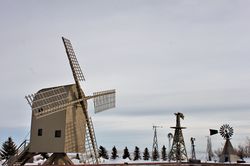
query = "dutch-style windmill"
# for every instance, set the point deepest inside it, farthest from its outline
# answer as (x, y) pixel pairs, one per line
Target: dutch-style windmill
(60, 122)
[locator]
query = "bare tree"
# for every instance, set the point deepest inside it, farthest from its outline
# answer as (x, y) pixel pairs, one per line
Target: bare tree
(218, 152)
(241, 151)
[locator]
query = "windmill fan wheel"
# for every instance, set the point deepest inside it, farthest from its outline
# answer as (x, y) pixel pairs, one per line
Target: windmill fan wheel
(226, 131)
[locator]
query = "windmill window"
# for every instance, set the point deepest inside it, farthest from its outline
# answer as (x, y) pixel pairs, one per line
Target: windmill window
(40, 132)
(58, 133)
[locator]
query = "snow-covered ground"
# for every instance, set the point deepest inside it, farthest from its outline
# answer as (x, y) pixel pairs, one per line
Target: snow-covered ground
(38, 160)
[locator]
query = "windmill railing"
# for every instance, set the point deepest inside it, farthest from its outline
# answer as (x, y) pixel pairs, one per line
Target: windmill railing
(22, 146)
(20, 149)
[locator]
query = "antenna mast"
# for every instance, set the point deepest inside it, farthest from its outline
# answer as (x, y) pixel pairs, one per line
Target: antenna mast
(155, 142)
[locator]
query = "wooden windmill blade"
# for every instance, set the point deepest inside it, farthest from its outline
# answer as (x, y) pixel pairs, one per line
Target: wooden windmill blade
(76, 70)
(48, 101)
(104, 100)
(78, 76)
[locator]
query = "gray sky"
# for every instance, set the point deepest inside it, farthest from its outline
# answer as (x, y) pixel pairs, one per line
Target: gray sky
(161, 56)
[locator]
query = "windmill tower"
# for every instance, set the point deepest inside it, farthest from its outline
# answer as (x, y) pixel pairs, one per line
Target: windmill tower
(193, 155)
(228, 153)
(60, 122)
(170, 138)
(178, 151)
(209, 151)
(155, 141)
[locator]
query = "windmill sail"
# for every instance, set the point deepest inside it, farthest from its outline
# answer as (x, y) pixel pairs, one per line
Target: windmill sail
(47, 101)
(78, 76)
(104, 100)
(77, 71)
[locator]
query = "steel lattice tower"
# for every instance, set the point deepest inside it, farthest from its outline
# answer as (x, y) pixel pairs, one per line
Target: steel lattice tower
(209, 149)
(155, 142)
(178, 151)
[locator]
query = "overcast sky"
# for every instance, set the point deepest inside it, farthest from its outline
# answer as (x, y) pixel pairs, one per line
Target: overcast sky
(162, 57)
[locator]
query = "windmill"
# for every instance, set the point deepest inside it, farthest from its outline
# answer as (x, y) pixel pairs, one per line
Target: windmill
(209, 151)
(60, 121)
(228, 153)
(193, 155)
(170, 138)
(178, 151)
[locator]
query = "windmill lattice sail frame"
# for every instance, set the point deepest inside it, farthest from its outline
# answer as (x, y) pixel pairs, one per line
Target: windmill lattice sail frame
(76, 69)
(47, 102)
(104, 100)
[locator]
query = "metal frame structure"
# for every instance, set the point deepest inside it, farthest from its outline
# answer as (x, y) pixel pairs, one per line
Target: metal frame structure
(155, 141)
(178, 151)
(209, 151)
(193, 155)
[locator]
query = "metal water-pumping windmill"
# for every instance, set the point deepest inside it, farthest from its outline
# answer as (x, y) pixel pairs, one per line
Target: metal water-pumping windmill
(60, 121)
(178, 151)
(228, 153)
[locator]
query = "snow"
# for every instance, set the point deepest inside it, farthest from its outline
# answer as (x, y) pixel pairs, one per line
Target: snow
(247, 160)
(39, 161)
(1, 162)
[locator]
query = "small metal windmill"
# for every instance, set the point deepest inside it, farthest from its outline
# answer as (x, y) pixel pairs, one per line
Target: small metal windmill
(209, 150)
(170, 138)
(228, 153)
(60, 121)
(193, 155)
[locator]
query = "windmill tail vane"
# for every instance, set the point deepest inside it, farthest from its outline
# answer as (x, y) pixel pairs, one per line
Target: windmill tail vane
(213, 131)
